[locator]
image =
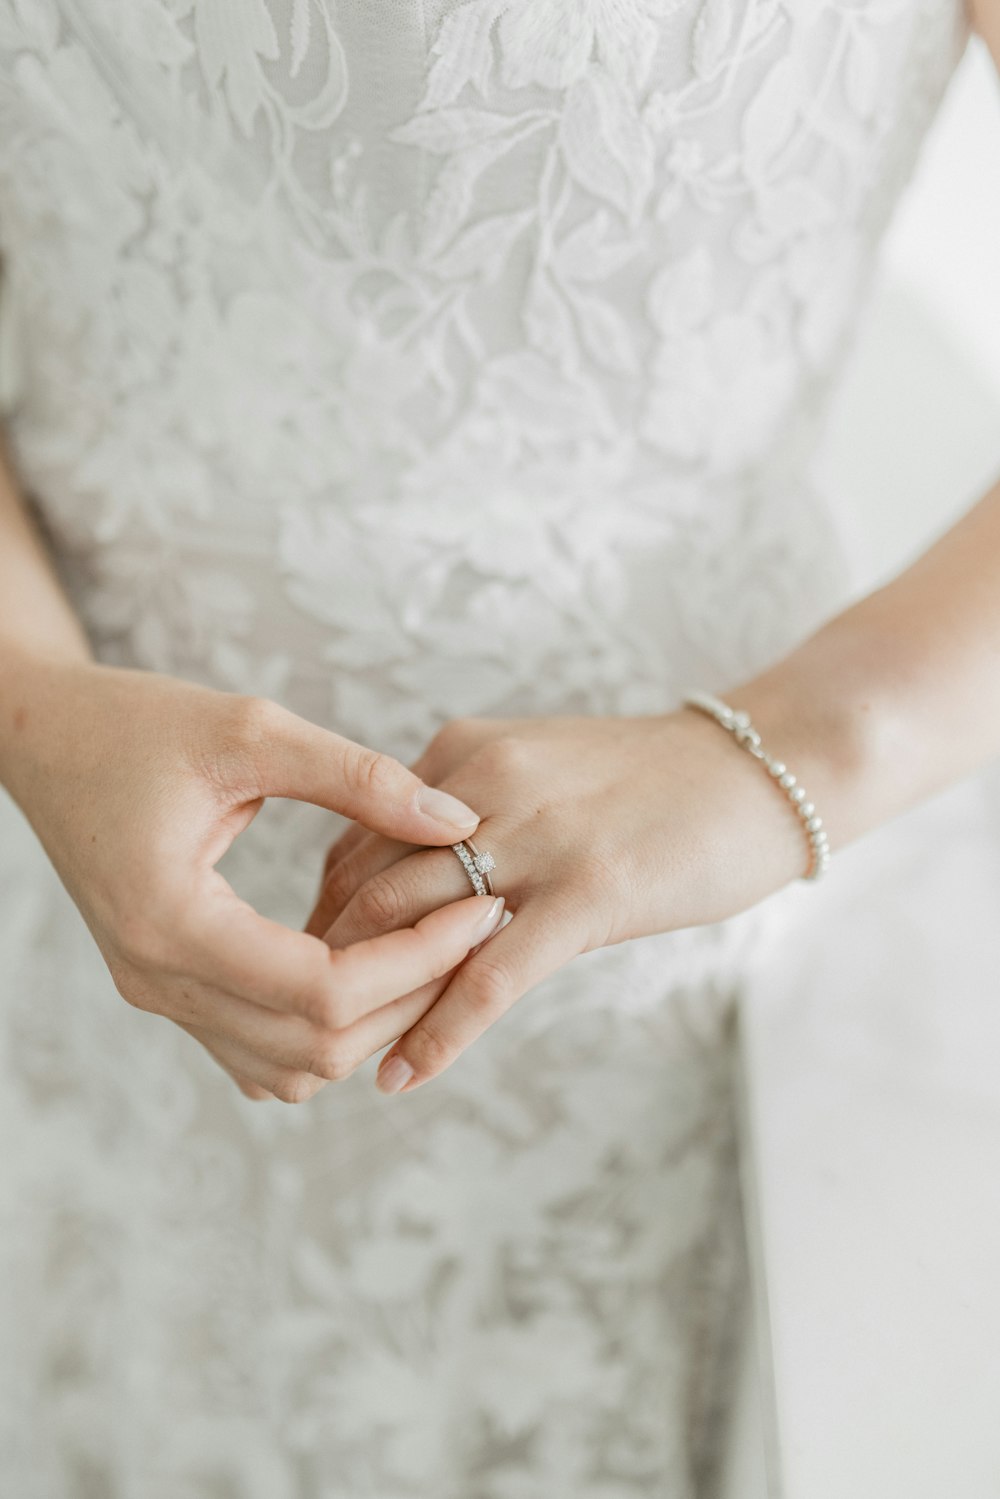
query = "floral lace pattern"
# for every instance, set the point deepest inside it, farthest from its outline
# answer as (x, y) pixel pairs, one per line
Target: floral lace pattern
(401, 361)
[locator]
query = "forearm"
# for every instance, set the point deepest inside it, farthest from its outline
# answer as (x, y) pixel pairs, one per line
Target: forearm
(899, 695)
(36, 619)
(38, 627)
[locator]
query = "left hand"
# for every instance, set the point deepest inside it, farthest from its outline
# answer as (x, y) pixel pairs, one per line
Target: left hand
(602, 829)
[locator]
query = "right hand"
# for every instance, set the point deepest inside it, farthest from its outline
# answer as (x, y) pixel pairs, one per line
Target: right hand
(136, 784)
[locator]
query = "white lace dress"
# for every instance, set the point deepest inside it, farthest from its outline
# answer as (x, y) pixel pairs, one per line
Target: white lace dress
(400, 360)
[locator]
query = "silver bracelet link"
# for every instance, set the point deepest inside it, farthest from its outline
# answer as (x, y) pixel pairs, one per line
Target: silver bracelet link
(738, 724)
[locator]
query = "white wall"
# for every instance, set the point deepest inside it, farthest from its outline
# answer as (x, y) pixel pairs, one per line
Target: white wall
(916, 431)
(915, 434)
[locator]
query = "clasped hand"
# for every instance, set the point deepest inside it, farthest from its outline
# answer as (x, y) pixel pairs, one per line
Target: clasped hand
(602, 829)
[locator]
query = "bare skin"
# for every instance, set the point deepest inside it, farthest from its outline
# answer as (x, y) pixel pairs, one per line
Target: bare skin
(136, 784)
(607, 829)
(603, 829)
(672, 824)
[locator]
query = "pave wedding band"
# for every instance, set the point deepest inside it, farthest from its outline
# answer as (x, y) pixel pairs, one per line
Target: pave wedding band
(478, 866)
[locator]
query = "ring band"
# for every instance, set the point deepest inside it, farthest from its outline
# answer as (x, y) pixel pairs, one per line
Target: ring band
(485, 864)
(478, 866)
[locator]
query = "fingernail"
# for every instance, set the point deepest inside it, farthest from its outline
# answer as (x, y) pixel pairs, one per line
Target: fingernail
(393, 1074)
(487, 923)
(445, 808)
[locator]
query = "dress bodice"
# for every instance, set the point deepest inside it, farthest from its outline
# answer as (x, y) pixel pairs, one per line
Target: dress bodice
(405, 360)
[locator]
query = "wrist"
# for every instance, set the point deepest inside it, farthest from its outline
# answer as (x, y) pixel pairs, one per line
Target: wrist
(820, 710)
(740, 726)
(762, 830)
(36, 692)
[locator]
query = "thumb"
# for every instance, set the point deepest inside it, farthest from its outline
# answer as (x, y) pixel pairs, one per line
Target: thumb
(298, 759)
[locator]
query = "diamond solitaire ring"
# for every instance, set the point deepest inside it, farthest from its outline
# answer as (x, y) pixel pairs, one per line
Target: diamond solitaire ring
(478, 866)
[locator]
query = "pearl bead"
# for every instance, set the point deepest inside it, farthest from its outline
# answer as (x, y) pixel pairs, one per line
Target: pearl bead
(739, 724)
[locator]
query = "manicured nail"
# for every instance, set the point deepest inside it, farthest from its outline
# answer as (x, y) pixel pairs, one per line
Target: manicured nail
(487, 923)
(444, 808)
(393, 1074)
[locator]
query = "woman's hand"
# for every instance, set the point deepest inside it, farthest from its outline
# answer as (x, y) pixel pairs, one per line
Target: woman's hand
(602, 830)
(137, 784)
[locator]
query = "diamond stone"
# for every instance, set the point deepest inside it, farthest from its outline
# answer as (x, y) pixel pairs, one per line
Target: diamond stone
(485, 863)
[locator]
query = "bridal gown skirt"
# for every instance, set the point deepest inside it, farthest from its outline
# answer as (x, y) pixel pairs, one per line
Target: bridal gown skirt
(526, 1278)
(408, 361)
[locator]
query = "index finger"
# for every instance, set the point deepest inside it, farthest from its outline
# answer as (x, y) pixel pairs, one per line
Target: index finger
(539, 939)
(343, 877)
(259, 959)
(230, 945)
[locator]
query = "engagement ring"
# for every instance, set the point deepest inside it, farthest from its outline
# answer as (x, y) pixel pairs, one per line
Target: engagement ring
(478, 866)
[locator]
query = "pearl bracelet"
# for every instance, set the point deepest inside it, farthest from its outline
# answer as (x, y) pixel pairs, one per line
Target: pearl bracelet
(739, 725)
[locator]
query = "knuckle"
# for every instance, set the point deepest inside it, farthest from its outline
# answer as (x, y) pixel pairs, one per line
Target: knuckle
(314, 1003)
(334, 1012)
(452, 737)
(339, 850)
(331, 1061)
(295, 1087)
(312, 997)
(247, 724)
(339, 886)
(379, 904)
(318, 1005)
(327, 1011)
(373, 774)
(251, 1090)
(489, 992)
(254, 719)
(334, 1006)
(506, 756)
(326, 1002)
(434, 1051)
